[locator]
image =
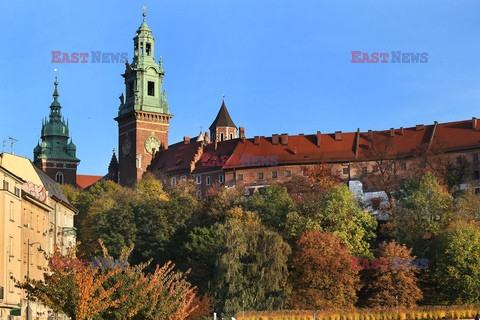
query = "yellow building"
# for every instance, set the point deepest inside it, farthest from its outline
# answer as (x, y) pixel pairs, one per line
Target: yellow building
(35, 217)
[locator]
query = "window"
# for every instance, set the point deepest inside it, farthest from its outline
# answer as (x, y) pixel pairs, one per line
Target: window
(183, 178)
(364, 170)
(207, 181)
(240, 176)
(475, 157)
(404, 166)
(173, 181)
(260, 176)
(231, 136)
(12, 215)
(274, 174)
(151, 88)
(221, 178)
(10, 281)
(148, 50)
(346, 170)
(17, 191)
(199, 179)
(288, 173)
(59, 178)
(10, 246)
(199, 195)
(130, 89)
(5, 185)
(476, 174)
(221, 136)
(375, 168)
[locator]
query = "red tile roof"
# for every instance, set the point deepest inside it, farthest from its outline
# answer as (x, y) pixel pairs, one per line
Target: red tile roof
(303, 149)
(84, 181)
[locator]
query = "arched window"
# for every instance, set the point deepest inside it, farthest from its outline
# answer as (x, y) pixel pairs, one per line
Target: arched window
(231, 136)
(221, 136)
(59, 177)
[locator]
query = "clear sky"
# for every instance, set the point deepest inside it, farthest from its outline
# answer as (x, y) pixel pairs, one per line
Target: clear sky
(284, 66)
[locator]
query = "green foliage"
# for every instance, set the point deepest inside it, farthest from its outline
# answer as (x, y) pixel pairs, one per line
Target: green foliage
(338, 213)
(251, 266)
(273, 205)
(424, 211)
(458, 263)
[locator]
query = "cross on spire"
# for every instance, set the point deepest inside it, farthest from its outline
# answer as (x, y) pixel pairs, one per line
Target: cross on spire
(144, 8)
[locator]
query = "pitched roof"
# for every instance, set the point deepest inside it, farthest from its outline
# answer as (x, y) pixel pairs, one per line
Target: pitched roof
(223, 118)
(84, 181)
(308, 149)
(177, 158)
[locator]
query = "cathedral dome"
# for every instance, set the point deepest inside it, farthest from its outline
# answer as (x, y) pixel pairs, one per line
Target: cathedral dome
(55, 128)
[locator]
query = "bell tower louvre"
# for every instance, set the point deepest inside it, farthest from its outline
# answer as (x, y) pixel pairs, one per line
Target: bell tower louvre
(143, 115)
(55, 155)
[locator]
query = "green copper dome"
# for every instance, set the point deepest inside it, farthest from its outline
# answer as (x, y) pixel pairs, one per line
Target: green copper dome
(55, 135)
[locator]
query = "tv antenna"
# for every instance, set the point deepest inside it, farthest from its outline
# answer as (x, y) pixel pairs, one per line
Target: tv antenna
(12, 141)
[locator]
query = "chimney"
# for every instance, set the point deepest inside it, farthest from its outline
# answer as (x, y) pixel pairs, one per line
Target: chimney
(392, 132)
(370, 138)
(295, 150)
(319, 138)
(242, 133)
(338, 135)
(186, 140)
(256, 140)
(419, 127)
(274, 138)
(474, 124)
(284, 139)
(216, 145)
(206, 138)
(401, 131)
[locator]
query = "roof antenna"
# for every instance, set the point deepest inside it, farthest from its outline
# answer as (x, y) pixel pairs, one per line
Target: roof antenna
(12, 141)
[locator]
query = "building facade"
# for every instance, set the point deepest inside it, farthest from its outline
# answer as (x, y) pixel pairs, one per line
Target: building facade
(36, 218)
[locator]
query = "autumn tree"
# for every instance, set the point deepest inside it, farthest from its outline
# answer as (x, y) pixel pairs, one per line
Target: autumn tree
(111, 291)
(337, 212)
(322, 274)
(395, 284)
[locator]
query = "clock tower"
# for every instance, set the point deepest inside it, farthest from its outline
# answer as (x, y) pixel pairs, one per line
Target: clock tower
(143, 115)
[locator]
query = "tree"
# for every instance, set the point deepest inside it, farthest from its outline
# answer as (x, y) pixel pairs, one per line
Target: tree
(458, 263)
(273, 205)
(424, 210)
(111, 291)
(251, 267)
(397, 284)
(336, 212)
(322, 274)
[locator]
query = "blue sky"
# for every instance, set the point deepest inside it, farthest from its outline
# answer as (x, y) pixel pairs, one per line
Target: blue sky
(284, 66)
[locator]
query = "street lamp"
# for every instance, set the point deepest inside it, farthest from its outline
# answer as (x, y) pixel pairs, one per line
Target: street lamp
(28, 271)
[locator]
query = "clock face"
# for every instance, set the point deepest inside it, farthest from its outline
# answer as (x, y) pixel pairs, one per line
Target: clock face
(152, 143)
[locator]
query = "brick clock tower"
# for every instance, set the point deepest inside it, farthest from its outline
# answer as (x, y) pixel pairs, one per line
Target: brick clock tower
(143, 116)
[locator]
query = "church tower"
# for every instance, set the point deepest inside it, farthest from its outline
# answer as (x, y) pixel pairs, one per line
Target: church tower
(55, 155)
(223, 127)
(143, 116)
